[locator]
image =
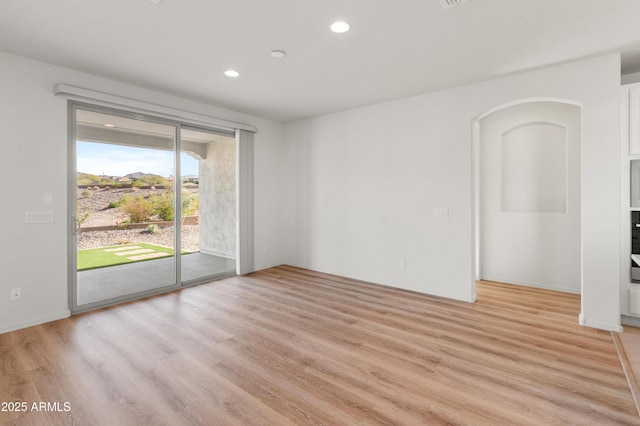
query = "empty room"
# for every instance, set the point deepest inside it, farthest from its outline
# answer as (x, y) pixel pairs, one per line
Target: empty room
(341, 212)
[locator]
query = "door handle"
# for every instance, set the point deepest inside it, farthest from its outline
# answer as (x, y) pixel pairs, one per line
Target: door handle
(75, 224)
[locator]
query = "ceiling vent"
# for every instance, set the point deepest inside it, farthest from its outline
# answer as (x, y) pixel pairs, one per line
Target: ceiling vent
(448, 4)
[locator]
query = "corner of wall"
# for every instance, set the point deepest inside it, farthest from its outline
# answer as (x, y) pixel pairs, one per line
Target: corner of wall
(630, 78)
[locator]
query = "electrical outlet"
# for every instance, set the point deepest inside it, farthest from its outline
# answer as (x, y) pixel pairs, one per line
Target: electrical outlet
(441, 212)
(38, 217)
(16, 294)
(403, 263)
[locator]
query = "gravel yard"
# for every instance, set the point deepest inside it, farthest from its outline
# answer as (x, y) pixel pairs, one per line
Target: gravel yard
(164, 237)
(96, 202)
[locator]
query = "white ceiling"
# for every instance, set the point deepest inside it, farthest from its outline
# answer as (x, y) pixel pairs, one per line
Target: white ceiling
(394, 49)
(127, 125)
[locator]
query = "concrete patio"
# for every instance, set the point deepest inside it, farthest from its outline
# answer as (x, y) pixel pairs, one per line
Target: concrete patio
(102, 284)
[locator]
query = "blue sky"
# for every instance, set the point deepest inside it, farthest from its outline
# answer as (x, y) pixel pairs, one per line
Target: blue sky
(120, 160)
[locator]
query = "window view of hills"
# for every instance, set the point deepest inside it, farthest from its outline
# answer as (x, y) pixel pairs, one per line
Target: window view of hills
(135, 179)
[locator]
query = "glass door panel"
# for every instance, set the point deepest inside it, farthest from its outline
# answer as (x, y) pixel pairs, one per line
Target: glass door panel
(124, 223)
(208, 205)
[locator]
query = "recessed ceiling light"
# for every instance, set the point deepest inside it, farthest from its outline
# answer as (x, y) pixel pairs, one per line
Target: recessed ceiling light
(231, 73)
(109, 125)
(340, 27)
(154, 1)
(278, 53)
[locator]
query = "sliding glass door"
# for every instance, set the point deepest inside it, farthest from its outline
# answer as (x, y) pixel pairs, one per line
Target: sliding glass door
(135, 200)
(208, 204)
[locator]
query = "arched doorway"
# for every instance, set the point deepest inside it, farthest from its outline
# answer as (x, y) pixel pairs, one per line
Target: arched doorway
(527, 194)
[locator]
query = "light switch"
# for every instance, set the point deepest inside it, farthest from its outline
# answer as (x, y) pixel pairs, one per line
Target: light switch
(47, 198)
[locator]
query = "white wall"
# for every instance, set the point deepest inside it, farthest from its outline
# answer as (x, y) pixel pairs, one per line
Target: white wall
(529, 158)
(34, 162)
(364, 183)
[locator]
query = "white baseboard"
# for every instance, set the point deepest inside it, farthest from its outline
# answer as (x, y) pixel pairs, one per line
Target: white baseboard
(630, 320)
(37, 321)
(263, 267)
(600, 325)
(530, 284)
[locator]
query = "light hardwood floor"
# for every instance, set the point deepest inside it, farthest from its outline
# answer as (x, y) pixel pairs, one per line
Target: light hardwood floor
(290, 346)
(628, 346)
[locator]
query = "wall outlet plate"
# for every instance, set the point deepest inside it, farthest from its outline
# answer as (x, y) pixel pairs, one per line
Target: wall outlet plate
(38, 217)
(441, 212)
(16, 294)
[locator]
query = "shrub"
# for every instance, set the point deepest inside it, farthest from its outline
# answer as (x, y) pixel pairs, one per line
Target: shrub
(87, 193)
(151, 180)
(152, 229)
(83, 179)
(139, 209)
(190, 203)
(81, 217)
(105, 181)
(125, 199)
(163, 205)
(123, 225)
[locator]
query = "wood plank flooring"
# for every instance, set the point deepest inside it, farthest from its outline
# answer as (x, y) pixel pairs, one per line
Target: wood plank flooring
(289, 346)
(628, 347)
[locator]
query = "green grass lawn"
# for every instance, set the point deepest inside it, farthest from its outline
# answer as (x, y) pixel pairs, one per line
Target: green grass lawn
(120, 254)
